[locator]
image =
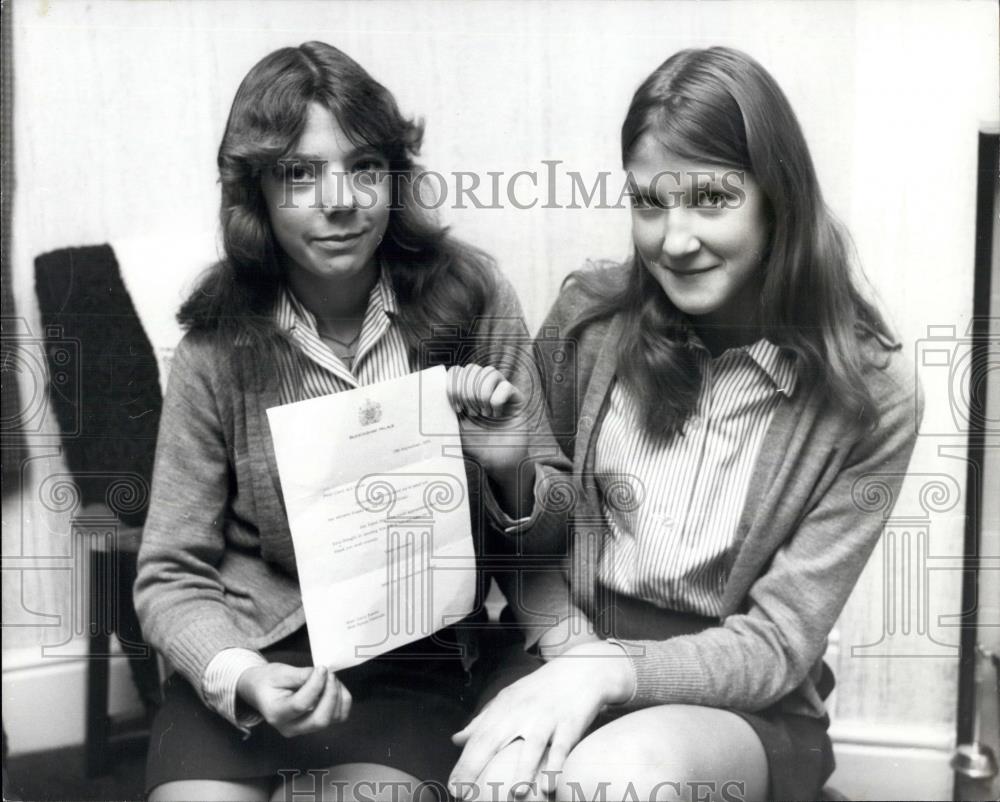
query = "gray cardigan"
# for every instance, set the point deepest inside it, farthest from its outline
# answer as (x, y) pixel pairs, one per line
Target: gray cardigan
(801, 543)
(216, 563)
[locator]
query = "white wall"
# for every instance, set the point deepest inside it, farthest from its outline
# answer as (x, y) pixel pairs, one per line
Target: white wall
(120, 106)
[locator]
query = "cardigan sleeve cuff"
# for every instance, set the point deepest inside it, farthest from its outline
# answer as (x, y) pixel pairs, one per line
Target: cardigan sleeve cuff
(190, 646)
(543, 509)
(662, 676)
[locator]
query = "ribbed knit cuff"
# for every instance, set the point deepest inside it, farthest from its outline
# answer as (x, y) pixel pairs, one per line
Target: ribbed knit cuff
(662, 675)
(190, 646)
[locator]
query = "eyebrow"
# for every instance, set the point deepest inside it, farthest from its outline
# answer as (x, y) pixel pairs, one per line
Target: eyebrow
(297, 156)
(646, 188)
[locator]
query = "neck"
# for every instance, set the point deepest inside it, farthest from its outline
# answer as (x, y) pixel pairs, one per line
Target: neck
(332, 301)
(736, 323)
(717, 337)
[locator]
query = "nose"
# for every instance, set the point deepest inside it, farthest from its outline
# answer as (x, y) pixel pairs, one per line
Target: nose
(337, 191)
(679, 237)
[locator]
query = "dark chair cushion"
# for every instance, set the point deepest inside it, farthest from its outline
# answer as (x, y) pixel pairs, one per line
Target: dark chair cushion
(104, 382)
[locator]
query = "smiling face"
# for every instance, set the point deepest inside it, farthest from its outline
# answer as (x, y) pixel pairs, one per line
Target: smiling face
(328, 204)
(701, 232)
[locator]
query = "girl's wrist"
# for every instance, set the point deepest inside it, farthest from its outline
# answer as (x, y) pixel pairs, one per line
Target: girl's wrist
(622, 688)
(618, 675)
(246, 687)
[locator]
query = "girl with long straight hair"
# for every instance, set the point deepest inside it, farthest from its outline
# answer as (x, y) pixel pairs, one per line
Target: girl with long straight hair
(333, 277)
(736, 394)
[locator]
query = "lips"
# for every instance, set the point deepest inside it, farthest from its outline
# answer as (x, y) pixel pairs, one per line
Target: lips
(690, 272)
(338, 238)
(338, 243)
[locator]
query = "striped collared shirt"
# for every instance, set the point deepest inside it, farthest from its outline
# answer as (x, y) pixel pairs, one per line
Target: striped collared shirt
(669, 546)
(311, 369)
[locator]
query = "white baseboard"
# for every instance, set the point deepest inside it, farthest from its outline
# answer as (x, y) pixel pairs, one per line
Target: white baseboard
(891, 773)
(890, 762)
(44, 702)
(44, 699)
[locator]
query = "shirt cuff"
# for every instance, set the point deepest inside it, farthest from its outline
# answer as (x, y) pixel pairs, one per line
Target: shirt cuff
(219, 685)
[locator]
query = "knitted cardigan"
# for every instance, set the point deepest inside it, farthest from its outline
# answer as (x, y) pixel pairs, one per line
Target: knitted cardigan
(216, 566)
(804, 535)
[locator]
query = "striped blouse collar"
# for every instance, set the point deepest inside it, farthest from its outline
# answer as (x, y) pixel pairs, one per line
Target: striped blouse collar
(290, 313)
(292, 316)
(777, 364)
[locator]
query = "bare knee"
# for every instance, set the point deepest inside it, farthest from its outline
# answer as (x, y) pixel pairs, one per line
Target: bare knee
(598, 770)
(668, 753)
(356, 782)
(210, 791)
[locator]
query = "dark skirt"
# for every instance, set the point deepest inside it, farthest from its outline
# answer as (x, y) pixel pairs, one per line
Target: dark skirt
(799, 752)
(406, 705)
